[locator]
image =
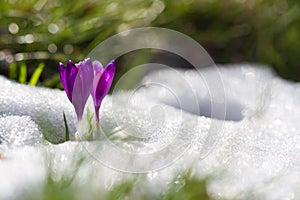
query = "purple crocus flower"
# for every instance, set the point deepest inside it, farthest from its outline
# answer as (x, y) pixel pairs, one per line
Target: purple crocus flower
(77, 82)
(103, 78)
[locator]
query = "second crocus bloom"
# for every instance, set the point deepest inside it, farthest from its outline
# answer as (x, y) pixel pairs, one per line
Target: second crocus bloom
(103, 78)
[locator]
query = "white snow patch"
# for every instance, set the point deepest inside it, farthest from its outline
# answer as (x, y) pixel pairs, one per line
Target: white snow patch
(253, 154)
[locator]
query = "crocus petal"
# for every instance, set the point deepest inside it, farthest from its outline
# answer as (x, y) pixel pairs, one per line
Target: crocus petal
(98, 70)
(82, 86)
(103, 84)
(67, 75)
(77, 98)
(63, 77)
(87, 77)
(97, 66)
(72, 74)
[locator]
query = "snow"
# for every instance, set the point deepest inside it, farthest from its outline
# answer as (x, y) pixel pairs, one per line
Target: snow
(250, 152)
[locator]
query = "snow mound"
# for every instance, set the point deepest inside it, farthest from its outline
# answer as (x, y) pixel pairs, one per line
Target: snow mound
(249, 150)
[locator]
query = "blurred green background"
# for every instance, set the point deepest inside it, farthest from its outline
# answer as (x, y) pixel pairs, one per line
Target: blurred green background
(51, 31)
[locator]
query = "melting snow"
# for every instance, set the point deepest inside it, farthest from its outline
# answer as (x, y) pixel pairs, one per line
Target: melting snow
(251, 151)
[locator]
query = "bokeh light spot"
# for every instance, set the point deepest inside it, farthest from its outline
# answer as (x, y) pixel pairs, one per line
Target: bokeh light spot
(13, 28)
(68, 49)
(53, 28)
(19, 56)
(29, 38)
(52, 48)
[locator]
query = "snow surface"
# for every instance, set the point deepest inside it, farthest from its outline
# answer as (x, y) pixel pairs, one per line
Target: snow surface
(250, 152)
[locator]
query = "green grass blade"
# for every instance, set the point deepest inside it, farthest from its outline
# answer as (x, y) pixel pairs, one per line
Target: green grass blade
(66, 127)
(13, 70)
(36, 74)
(23, 73)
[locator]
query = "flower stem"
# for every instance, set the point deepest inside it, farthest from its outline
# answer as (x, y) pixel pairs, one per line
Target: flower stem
(79, 127)
(98, 134)
(97, 108)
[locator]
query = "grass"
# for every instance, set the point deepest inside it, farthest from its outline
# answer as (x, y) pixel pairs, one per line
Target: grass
(66, 127)
(187, 188)
(35, 31)
(18, 71)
